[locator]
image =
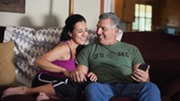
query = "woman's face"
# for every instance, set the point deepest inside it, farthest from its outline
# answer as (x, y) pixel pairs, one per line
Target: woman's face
(80, 33)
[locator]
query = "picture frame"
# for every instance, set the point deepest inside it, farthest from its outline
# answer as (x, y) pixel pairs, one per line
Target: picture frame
(17, 6)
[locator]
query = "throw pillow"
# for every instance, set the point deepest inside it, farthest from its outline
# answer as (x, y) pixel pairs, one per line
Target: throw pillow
(7, 67)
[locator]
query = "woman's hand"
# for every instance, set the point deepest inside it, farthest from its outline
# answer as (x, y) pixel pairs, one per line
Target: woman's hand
(92, 77)
(65, 72)
(79, 73)
(139, 75)
(78, 76)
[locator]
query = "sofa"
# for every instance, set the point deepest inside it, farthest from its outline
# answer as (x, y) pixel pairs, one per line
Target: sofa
(160, 50)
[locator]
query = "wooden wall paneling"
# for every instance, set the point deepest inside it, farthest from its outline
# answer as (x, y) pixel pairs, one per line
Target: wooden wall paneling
(173, 13)
(101, 6)
(125, 9)
(71, 7)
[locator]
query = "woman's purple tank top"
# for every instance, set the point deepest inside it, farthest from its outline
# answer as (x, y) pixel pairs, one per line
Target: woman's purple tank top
(69, 65)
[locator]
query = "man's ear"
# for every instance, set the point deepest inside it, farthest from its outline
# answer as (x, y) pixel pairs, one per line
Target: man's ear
(117, 31)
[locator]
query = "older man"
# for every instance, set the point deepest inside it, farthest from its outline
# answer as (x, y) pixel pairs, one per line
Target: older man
(116, 65)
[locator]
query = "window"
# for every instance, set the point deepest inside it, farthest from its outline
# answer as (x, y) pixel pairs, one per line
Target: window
(143, 18)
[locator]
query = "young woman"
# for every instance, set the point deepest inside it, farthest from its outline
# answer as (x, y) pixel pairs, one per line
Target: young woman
(52, 81)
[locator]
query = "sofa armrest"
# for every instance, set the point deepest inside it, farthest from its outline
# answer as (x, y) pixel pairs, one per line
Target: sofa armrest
(172, 88)
(122, 99)
(2, 29)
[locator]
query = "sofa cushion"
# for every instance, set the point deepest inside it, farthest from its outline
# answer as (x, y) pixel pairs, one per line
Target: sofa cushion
(164, 71)
(7, 68)
(172, 88)
(176, 97)
(122, 99)
(19, 98)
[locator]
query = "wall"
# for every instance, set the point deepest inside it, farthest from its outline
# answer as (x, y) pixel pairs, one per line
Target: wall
(90, 9)
(49, 13)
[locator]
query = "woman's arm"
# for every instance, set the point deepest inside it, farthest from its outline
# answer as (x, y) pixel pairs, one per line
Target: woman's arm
(60, 52)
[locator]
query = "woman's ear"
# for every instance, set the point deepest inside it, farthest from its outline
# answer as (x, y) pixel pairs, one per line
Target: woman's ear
(70, 34)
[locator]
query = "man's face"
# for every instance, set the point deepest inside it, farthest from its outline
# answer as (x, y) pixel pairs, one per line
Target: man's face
(106, 32)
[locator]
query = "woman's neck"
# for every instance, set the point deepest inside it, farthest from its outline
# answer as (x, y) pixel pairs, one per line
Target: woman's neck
(73, 44)
(73, 47)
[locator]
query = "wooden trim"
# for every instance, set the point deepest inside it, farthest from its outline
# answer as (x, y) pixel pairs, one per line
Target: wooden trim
(71, 7)
(101, 6)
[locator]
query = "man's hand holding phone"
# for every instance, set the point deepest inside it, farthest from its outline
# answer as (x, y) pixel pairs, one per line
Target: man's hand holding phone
(141, 74)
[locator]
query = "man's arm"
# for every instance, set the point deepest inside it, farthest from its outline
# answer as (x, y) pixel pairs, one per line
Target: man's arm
(79, 73)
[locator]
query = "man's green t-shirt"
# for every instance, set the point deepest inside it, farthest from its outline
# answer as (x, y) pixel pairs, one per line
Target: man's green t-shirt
(111, 63)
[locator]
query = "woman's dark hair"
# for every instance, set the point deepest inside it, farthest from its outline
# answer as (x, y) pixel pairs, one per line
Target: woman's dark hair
(69, 25)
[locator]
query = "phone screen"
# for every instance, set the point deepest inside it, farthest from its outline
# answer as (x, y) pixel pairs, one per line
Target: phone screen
(143, 66)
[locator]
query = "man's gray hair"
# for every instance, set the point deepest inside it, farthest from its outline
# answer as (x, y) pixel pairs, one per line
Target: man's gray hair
(112, 16)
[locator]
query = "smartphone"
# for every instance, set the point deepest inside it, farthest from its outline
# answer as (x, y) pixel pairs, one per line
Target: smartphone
(143, 66)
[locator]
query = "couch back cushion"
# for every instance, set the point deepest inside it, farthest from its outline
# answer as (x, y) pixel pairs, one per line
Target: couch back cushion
(156, 46)
(161, 51)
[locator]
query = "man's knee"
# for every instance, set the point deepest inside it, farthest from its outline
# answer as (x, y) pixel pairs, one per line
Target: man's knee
(149, 86)
(92, 86)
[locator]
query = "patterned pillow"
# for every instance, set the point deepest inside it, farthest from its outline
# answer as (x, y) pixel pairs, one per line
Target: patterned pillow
(91, 37)
(45, 39)
(30, 44)
(7, 68)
